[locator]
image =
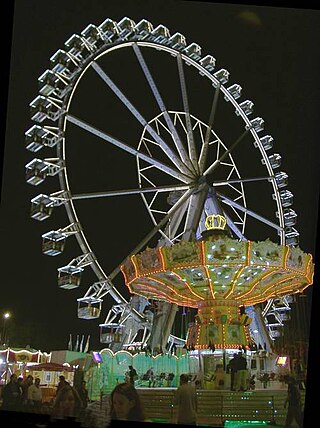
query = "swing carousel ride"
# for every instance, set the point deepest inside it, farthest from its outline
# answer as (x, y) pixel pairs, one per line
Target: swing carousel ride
(223, 239)
(217, 275)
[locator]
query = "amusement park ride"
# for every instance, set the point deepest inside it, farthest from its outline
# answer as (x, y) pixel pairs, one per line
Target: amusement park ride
(207, 255)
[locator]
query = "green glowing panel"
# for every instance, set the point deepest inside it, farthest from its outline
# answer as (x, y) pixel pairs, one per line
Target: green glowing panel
(247, 424)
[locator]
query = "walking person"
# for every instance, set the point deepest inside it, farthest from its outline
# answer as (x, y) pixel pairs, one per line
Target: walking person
(233, 367)
(132, 375)
(20, 382)
(242, 374)
(67, 403)
(150, 376)
(83, 394)
(265, 380)
(185, 399)
(293, 401)
(35, 396)
(62, 383)
(24, 398)
(11, 395)
(252, 382)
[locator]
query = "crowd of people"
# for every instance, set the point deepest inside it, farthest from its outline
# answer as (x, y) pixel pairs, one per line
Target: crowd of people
(22, 394)
(124, 401)
(25, 395)
(149, 378)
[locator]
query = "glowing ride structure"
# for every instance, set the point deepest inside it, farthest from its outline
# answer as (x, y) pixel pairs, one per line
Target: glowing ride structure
(185, 173)
(218, 275)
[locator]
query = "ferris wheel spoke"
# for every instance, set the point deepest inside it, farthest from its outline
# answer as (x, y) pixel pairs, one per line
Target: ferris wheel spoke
(178, 143)
(205, 146)
(195, 208)
(190, 136)
(217, 162)
(156, 229)
(167, 150)
(241, 180)
(251, 213)
(171, 233)
(234, 227)
(129, 192)
(152, 161)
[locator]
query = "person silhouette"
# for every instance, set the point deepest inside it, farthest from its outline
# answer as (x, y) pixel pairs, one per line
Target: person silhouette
(293, 401)
(186, 400)
(132, 375)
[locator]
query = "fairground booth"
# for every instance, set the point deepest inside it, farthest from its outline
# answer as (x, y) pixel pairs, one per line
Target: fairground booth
(19, 361)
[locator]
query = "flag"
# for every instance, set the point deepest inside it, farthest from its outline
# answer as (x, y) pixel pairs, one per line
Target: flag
(76, 346)
(70, 343)
(81, 344)
(86, 348)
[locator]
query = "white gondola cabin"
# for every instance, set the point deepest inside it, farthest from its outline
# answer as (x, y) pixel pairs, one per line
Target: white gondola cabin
(45, 108)
(36, 171)
(41, 207)
(53, 243)
(111, 333)
(63, 64)
(69, 277)
(52, 83)
(89, 308)
(37, 137)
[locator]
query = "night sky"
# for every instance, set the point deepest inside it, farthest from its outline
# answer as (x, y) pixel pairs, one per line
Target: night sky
(270, 51)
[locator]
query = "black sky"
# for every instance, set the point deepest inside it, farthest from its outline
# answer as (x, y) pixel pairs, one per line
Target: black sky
(273, 54)
(270, 51)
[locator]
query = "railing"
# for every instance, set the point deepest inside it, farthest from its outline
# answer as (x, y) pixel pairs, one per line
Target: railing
(214, 407)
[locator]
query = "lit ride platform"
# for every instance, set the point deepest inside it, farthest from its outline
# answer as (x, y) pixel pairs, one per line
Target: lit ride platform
(219, 276)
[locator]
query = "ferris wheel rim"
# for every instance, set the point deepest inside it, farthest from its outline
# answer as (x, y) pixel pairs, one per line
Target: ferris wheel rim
(63, 176)
(84, 245)
(225, 92)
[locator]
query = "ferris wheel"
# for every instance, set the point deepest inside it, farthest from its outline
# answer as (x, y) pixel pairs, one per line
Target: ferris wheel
(197, 150)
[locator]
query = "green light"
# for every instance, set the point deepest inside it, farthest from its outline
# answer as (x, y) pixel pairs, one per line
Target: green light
(246, 424)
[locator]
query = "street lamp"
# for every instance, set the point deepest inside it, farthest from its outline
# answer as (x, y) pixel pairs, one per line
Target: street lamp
(5, 316)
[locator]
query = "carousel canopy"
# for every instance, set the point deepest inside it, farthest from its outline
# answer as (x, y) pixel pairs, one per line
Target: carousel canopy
(218, 267)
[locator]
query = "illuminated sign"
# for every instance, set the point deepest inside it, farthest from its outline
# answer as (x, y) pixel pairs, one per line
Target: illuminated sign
(96, 357)
(281, 361)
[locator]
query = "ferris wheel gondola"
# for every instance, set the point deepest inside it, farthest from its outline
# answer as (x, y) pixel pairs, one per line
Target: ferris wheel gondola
(186, 169)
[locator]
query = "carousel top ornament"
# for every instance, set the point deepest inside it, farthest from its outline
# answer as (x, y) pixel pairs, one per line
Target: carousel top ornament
(214, 222)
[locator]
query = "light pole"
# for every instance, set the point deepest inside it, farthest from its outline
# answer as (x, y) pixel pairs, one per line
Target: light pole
(6, 316)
